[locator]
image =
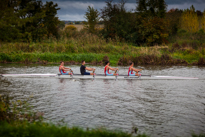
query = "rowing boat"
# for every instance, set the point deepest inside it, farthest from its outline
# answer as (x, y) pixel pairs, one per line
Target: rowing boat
(98, 76)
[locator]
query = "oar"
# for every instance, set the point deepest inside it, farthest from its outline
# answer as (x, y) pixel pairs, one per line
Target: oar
(139, 74)
(116, 73)
(94, 74)
(71, 72)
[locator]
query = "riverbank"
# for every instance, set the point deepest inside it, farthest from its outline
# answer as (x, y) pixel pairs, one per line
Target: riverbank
(117, 53)
(44, 129)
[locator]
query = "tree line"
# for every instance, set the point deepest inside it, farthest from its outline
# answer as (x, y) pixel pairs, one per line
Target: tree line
(149, 22)
(27, 20)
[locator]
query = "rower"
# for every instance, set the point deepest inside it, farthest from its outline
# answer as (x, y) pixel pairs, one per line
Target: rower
(63, 70)
(83, 69)
(107, 68)
(131, 69)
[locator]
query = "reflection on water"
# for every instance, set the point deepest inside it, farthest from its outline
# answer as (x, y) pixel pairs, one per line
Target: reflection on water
(157, 107)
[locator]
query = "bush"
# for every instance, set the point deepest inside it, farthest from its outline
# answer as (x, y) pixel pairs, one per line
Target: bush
(70, 28)
(181, 31)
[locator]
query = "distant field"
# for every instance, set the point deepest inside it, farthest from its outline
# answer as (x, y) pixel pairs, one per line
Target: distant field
(80, 26)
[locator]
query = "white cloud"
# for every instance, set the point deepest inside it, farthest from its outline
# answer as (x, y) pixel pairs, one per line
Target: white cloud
(72, 17)
(130, 6)
(77, 5)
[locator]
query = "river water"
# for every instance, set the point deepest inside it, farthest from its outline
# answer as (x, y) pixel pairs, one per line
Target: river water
(156, 107)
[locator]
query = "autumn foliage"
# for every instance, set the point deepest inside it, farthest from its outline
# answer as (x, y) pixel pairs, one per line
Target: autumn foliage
(154, 31)
(190, 21)
(70, 28)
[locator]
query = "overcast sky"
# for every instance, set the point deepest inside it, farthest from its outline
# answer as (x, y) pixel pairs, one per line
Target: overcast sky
(74, 10)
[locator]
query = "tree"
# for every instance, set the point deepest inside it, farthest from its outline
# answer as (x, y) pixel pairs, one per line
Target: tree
(203, 21)
(151, 8)
(27, 20)
(61, 25)
(118, 23)
(173, 20)
(153, 31)
(190, 21)
(150, 22)
(162, 7)
(9, 21)
(92, 17)
(50, 20)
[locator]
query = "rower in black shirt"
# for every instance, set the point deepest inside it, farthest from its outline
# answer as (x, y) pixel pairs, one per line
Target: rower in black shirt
(83, 69)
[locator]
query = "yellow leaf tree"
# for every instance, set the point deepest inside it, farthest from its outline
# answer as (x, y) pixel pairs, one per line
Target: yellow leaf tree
(189, 21)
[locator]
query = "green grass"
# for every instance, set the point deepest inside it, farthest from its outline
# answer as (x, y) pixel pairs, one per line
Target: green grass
(92, 48)
(88, 57)
(48, 130)
(187, 57)
(67, 47)
(56, 57)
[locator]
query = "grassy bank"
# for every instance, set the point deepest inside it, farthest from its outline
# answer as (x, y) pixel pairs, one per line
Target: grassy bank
(140, 55)
(40, 129)
(93, 49)
(52, 58)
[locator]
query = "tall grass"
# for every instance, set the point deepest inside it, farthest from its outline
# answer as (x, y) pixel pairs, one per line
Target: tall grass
(69, 46)
(81, 45)
(48, 130)
(56, 57)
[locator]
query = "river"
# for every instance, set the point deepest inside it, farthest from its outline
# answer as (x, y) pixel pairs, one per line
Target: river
(156, 107)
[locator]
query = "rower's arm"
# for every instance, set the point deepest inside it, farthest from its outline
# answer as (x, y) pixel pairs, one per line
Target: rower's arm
(112, 68)
(67, 68)
(64, 68)
(89, 69)
(136, 70)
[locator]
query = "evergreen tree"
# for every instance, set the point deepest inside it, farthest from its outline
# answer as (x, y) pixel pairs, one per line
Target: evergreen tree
(162, 7)
(9, 20)
(50, 20)
(27, 20)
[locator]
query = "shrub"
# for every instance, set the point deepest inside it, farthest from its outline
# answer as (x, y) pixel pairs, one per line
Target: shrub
(70, 28)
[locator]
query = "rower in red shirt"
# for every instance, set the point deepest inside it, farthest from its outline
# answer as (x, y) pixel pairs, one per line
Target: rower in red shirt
(107, 68)
(131, 69)
(63, 70)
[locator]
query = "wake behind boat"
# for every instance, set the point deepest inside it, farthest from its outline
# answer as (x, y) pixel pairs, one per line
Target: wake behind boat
(98, 76)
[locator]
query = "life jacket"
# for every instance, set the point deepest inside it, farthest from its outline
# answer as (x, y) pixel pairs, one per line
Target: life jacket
(60, 70)
(129, 71)
(107, 70)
